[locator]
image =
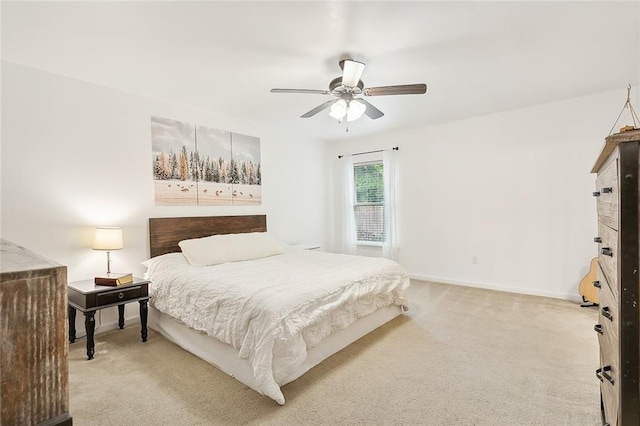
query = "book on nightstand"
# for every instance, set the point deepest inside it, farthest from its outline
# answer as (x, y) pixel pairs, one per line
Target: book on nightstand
(114, 279)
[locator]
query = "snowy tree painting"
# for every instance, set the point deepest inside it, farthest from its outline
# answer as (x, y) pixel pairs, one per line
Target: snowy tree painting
(198, 165)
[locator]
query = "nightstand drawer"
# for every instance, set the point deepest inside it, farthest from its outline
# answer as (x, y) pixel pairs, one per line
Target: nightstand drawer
(85, 295)
(119, 295)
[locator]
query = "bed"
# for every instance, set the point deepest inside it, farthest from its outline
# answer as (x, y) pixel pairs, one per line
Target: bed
(266, 320)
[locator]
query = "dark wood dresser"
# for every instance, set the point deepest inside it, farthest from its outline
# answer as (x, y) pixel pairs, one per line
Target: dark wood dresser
(618, 328)
(34, 371)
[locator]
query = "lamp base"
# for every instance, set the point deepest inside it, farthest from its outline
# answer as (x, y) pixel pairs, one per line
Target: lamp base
(108, 262)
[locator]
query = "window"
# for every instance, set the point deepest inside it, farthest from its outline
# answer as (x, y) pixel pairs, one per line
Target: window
(368, 206)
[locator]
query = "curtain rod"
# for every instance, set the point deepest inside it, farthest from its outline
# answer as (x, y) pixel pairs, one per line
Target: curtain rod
(395, 148)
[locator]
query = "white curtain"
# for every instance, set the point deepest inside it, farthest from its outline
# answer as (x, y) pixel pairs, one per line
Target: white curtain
(348, 219)
(390, 245)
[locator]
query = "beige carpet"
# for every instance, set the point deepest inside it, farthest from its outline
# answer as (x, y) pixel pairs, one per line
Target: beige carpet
(460, 356)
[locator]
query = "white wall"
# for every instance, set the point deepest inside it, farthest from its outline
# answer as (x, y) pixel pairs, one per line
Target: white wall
(512, 189)
(76, 155)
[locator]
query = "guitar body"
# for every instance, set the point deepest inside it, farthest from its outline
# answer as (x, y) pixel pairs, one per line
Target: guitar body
(586, 288)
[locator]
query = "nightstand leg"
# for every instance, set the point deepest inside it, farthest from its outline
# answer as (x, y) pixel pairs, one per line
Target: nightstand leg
(143, 319)
(121, 316)
(72, 324)
(90, 326)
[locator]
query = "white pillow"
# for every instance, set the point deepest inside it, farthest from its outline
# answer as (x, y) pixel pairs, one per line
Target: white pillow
(218, 249)
(164, 262)
(169, 258)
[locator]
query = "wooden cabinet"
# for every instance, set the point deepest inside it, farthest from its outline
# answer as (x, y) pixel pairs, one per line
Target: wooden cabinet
(34, 372)
(618, 328)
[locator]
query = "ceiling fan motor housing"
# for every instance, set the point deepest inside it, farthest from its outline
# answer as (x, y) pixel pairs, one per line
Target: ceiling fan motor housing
(337, 88)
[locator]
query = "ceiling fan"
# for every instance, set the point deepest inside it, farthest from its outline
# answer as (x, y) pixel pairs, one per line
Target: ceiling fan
(347, 87)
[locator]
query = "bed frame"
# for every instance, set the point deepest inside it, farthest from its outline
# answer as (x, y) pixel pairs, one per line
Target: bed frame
(164, 236)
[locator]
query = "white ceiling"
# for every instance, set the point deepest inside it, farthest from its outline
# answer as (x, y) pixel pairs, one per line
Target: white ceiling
(476, 57)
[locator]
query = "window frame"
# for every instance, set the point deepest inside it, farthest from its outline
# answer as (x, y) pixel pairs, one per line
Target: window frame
(354, 202)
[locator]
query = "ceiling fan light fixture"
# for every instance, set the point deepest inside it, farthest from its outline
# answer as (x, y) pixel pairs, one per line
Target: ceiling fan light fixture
(351, 73)
(355, 110)
(338, 109)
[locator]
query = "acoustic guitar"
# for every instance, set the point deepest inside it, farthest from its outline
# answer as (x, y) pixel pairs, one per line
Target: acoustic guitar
(587, 290)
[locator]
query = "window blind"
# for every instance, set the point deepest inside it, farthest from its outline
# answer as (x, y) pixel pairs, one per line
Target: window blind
(368, 206)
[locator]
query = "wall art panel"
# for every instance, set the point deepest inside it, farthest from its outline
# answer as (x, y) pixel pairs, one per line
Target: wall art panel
(198, 165)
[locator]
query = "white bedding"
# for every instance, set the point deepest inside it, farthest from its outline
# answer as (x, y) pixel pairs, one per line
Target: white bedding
(273, 309)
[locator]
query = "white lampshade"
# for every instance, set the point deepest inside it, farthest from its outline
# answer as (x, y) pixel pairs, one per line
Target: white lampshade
(338, 110)
(108, 239)
(351, 73)
(355, 110)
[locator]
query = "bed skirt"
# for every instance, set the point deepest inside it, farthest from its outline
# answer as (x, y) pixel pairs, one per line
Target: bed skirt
(227, 359)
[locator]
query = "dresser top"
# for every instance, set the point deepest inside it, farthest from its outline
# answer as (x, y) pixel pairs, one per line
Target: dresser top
(14, 258)
(611, 142)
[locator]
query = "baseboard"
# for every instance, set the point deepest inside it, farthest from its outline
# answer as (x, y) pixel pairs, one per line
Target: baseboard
(489, 286)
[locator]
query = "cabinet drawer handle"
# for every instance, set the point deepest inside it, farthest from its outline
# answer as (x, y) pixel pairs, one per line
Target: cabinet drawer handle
(606, 312)
(596, 284)
(120, 295)
(598, 328)
(606, 251)
(602, 374)
(605, 373)
(607, 190)
(597, 239)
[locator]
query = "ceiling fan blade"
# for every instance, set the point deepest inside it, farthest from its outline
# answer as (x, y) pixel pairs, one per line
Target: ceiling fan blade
(405, 89)
(312, 91)
(351, 72)
(371, 111)
(318, 109)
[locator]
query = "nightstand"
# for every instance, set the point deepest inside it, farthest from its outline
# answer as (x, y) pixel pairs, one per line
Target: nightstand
(88, 298)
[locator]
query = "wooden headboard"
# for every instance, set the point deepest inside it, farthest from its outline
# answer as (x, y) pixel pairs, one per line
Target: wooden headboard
(166, 232)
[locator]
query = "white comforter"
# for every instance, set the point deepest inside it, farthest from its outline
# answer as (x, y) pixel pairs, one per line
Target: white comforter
(275, 307)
